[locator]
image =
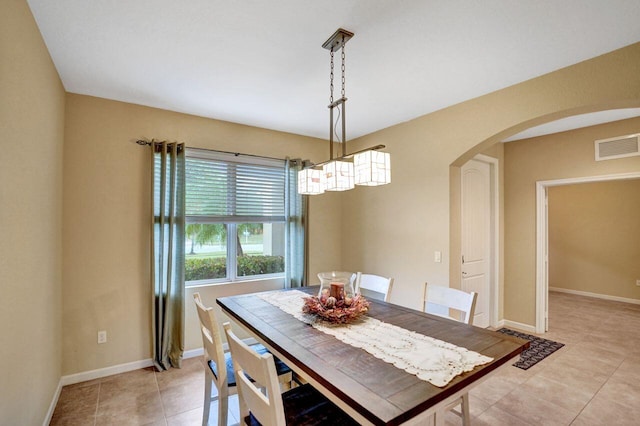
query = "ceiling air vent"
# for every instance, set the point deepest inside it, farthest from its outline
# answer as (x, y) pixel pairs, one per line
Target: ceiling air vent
(618, 147)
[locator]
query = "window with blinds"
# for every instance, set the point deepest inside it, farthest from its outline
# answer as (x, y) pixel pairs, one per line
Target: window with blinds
(235, 214)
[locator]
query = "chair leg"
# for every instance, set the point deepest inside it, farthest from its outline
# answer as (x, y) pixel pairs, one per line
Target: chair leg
(464, 408)
(207, 400)
(223, 406)
(243, 409)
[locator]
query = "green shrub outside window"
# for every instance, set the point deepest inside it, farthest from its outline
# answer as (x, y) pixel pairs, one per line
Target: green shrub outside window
(211, 268)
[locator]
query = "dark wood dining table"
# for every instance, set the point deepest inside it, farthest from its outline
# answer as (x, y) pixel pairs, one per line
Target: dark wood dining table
(367, 388)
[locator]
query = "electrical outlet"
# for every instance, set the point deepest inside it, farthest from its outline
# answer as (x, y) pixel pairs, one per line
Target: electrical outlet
(437, 256)
(102, 336)
(638, 283)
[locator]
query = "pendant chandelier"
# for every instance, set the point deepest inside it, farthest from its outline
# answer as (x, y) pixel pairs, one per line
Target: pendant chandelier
(367, 167)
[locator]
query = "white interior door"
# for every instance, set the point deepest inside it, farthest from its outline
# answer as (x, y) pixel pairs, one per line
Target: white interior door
(476, 236)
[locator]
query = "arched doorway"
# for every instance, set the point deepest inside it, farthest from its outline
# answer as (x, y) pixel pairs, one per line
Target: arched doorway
(534, 296)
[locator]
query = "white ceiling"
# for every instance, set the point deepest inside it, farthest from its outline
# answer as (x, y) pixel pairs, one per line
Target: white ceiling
(261, 62)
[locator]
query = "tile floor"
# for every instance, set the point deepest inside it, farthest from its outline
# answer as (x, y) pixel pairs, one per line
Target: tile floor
(593, 380)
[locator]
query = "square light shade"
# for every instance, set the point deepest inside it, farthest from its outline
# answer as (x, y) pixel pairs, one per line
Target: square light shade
(311, 182)
(372, 168)
(338, 175)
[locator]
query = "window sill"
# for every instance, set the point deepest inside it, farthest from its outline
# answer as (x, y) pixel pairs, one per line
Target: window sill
(252, 282)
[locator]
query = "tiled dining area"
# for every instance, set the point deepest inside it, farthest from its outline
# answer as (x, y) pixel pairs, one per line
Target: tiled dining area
(140, 397)
(593, 380)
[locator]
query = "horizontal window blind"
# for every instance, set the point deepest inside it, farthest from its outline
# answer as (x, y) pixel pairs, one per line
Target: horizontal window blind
(220, 190)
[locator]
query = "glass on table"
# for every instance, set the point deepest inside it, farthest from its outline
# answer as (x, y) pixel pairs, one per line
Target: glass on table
(335, 287)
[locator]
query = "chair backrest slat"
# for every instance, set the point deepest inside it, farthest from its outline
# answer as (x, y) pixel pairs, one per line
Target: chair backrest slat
(439, 300)
(374, 286)
(267, 408)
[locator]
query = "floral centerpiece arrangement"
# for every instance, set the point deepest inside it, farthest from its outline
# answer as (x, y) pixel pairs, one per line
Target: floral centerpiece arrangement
(333, 305)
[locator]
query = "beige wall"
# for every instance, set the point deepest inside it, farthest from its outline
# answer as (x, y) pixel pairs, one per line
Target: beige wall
(394, 230)
(559, 156)
(593, 237)
(106, 230)
(31, 139)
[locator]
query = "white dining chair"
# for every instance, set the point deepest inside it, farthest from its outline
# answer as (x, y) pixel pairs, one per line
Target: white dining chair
(441, 301)
(219, 365)
(374, 286)
(261, 402)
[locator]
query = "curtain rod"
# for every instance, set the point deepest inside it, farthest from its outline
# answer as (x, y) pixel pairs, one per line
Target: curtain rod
(237, 154)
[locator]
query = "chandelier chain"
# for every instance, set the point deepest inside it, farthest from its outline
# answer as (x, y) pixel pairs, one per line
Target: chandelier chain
(331, 81)
(343, 79)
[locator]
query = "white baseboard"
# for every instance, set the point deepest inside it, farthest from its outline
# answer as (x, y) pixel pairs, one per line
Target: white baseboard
(104, 372)
(130, 366)
(52, 406)
(519, 326)
(595, 295)
(193, 353)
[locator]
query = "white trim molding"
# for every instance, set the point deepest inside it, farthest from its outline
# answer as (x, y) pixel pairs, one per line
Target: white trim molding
(542, 269)
(52, 406)
(595, 295)
(193, 353)
(130, 366)
(518, 326)
(104, 372)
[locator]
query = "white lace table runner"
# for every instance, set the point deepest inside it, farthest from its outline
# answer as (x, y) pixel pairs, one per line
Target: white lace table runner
(433, 360)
